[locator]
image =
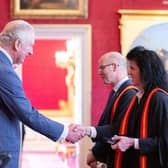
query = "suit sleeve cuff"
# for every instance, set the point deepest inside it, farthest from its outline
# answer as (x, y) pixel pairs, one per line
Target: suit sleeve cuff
(93, 132)
(64, 134)
(136, 143)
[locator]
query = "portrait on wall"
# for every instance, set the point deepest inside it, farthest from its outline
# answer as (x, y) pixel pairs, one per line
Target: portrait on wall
(49, 9)
(49, 4)
(154, 38)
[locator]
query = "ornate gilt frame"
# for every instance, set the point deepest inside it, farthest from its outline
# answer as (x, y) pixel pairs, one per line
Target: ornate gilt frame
(44, 12)
(133, 22)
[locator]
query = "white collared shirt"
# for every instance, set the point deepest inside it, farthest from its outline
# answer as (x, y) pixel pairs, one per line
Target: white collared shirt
(118, 85)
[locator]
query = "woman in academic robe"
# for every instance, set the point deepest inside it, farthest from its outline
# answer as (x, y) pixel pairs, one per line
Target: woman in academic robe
(147, 147)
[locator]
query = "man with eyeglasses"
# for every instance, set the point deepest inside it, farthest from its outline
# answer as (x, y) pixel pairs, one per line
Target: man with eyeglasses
(113, 71)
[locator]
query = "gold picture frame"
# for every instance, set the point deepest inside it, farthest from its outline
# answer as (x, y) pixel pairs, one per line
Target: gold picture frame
(134, 22)
(42, 9)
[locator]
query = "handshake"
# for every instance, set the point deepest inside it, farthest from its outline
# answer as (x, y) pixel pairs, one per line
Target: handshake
(77, 132)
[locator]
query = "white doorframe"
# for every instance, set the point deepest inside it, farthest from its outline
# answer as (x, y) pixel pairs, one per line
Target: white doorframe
(82, 34)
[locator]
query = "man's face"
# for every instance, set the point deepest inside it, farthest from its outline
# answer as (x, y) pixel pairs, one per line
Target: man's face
(25, 48)
(106, 71)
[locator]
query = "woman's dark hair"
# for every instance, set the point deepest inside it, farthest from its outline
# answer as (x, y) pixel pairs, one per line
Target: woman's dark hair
(152, 71)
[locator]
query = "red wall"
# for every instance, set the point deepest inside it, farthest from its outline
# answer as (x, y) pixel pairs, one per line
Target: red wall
(43, 80)
(105, 36)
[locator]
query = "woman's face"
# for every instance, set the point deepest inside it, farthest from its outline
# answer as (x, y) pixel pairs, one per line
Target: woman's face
(134, 74)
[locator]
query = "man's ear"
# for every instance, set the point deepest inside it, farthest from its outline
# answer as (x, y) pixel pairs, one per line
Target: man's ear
(17, 44)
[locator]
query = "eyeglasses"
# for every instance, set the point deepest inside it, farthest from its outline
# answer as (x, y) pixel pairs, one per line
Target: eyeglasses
(102, 67)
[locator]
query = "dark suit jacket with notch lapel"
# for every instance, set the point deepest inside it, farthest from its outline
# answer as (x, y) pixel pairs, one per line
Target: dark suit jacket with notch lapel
(15, 107)
(102, 151)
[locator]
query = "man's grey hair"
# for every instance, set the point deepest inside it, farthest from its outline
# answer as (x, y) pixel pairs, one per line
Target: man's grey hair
(17, 29)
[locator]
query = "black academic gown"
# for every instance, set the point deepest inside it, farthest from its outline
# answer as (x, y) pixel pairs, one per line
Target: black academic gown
(155, 147)
(102, 151)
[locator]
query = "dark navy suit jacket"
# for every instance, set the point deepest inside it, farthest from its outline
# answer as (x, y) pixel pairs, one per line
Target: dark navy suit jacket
(15, 107)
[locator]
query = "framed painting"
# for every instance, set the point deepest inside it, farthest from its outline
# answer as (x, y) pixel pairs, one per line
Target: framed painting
(138, 26)
(41, 9)
(145, 28)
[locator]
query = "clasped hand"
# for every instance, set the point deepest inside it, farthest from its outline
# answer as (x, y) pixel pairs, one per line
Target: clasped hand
(77, 132)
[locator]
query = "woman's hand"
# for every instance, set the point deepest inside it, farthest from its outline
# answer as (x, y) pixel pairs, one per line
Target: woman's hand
(123, 143)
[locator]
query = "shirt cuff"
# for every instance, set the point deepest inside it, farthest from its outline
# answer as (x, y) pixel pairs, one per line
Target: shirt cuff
(136, 143)
(93, 132)
(64, 134)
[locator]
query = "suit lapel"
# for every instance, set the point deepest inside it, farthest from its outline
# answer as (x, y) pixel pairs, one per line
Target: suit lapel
(4, 59)
(105, 118)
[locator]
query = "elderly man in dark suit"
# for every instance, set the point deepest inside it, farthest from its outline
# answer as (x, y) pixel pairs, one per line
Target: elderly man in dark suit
(16, 42)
